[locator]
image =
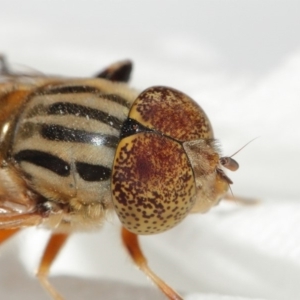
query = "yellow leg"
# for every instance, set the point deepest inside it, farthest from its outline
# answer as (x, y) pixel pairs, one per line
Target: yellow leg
(6, 234)
(55, 243)
(130, 241)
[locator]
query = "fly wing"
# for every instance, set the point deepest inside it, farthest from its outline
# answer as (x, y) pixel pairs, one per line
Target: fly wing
(19, 221)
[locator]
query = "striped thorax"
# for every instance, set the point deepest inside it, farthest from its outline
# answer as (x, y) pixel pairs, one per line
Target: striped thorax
(61, 138)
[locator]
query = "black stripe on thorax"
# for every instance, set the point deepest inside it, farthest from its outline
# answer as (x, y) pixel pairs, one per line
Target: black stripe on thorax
(66, 108)
(85, 89)
(45, 160)
(87, 172)
(116, 98)
(61, 133)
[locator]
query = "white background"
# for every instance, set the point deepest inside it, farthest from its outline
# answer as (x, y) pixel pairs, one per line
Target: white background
(241, 61)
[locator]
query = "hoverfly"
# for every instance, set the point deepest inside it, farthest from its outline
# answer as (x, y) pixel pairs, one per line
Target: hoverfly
(72, 150)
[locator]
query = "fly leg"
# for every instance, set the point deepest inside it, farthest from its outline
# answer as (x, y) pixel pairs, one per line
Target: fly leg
(131, 243)
(6, 234)
(54, 245)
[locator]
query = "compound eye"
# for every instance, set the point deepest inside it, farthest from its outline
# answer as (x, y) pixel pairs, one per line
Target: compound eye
(172, 113)
(152, 183)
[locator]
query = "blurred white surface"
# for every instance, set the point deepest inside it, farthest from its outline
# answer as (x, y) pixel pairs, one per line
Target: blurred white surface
(241, 61)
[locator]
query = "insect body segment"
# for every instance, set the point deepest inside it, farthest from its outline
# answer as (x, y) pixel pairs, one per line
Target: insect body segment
(63, 143)
(57, 143)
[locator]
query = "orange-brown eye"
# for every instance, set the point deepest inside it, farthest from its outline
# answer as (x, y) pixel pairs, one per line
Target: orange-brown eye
(172, 113)
(152, 183)
(165, 157)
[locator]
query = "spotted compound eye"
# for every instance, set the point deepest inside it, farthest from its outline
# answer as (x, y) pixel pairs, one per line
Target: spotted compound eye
(172, 113)
(153, 185)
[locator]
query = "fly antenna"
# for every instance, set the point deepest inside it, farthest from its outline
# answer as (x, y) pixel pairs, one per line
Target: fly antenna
(231, 164)
(244, 146)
